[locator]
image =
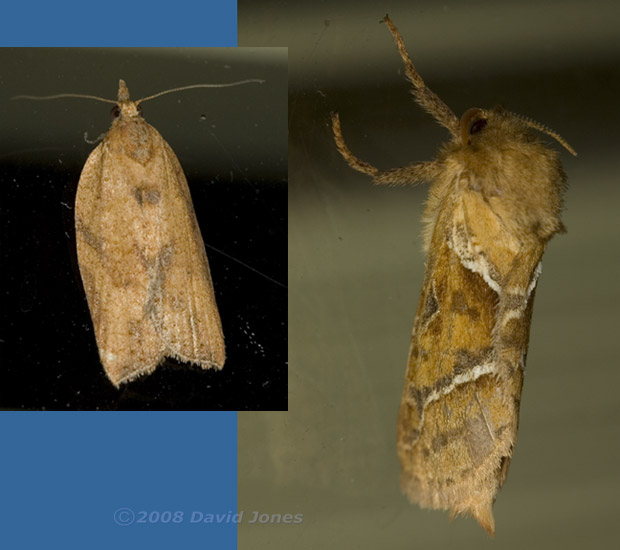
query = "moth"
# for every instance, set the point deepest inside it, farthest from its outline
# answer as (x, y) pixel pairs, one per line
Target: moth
(495, 201)
(140, 251)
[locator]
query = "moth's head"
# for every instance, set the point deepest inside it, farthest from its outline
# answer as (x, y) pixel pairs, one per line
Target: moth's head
(124, 106)
(130, 109)
(483, 128)
(480, 127)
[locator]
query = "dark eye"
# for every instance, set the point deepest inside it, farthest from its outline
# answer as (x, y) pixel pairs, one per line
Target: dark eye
(472, 122)
(115, 112)
(140, 110)
(477, 126)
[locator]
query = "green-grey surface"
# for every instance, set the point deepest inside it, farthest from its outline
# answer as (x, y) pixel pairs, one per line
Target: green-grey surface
(355, 270)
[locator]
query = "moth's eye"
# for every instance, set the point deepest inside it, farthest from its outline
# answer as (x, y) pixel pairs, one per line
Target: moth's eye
(472, 122)
(115, 112)
(140, 110)
(477, 126)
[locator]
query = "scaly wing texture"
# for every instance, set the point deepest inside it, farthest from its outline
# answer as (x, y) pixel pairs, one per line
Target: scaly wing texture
(142, 258)
(189, 300)
(459, 414)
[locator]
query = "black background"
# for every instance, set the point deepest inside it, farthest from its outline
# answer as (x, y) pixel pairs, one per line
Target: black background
(48, 351)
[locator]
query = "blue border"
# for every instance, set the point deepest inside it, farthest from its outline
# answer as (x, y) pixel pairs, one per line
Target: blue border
(71, 480)
(84, 23)
(122, 480)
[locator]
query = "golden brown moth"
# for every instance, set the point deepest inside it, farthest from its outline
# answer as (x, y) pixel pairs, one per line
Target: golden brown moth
(495, 201)
(140, 252)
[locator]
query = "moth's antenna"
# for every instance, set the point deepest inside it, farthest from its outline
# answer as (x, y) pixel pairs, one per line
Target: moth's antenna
(428, 99)
(226, 85)
(61, 96)
(83, 96)
(542, 128)
(351, 159)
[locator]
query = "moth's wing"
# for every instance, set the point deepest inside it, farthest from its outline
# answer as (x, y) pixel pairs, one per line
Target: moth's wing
(459, 412)
(110, 235)
(191, 327)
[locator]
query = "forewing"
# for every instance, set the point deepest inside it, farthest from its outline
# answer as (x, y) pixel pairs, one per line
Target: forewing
(112, 248)
(459, 412)
(191, 327)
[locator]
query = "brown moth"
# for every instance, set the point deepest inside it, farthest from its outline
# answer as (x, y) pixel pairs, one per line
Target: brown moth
(140, 252)
(495, 201)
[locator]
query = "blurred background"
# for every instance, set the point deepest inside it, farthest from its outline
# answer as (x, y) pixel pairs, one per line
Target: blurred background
(356, 268)
(232, 145)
